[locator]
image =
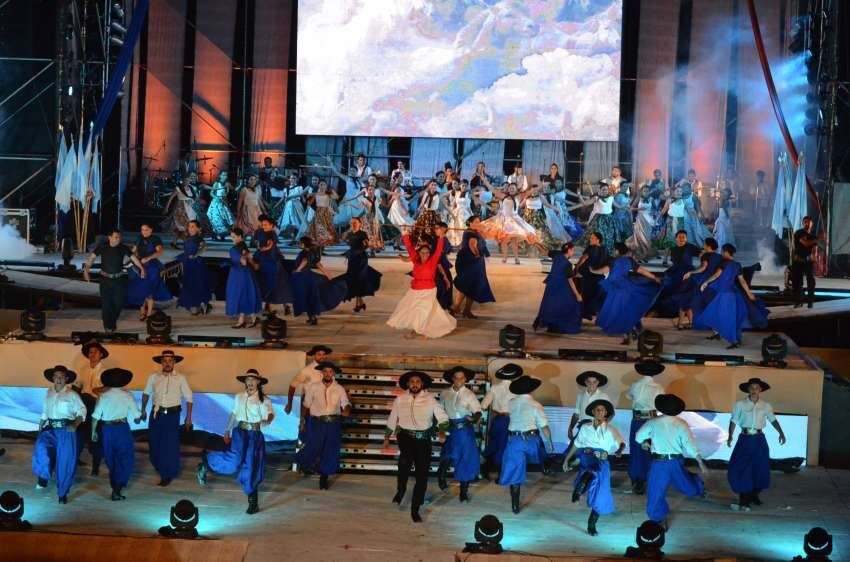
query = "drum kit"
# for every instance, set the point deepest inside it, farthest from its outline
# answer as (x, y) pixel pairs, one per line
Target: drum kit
(160, 183)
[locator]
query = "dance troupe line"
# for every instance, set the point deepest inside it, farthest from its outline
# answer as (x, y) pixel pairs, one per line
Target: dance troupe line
(518, 435)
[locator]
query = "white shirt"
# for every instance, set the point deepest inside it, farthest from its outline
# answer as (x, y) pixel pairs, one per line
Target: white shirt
(604, 436)
(323, 400)
(88, 377)
(670, 436)
(459, 404)
(526, 414)
(305, 377)
(166, 390)
(416, 412)
(520, 181)
(63, 405)
(116, 404)
(584, 399)
(642, 393)
(500, 396)
(677, 209)
(249, 409)
(752, 415)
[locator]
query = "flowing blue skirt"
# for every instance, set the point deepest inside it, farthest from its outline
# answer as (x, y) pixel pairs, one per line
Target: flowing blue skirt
(472, 279)
(197, 284)
(273, 281)
(152, 286)
(242, 294)
(559, 310)
(749, 465)
(314, 293)
(626, 302)
(361, 280)
(729, 313)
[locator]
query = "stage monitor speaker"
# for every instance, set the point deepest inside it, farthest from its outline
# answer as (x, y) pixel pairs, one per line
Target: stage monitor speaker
(79, 337)
(592, 355)
(703, 358)
(211, 341)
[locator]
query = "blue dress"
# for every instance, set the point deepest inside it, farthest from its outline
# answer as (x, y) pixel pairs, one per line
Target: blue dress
(559, 311)
(689, 296)
(444, 292)
(682, 258)
(273, 276)
(152, 286)
(197, 283)
(697, 232)
(361, 280)
(728, 311)
(591, 291)
(312, 292)
(242, 293)
(471, 279)
(627, 298)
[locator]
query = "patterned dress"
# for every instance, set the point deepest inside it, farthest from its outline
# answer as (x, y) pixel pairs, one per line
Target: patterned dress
(321, 228)
(221, 219)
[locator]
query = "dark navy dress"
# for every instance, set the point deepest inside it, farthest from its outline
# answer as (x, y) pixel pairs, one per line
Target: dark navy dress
(312, 292)
(360, 278)
(273, 276)
(444, 292)
(627, 298)
(197, 283)
(242, 293)
(559, 311)
(471, 277)
(591, 291)
(152, 286)
(682, 258)
(728, 310)
(689, 296)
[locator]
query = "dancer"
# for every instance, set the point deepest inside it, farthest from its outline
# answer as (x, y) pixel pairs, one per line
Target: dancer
(670, 441)
(113, 409)
(246, 445)
(113, 282)
(196, 286)
(595, 442)
(749, 465)
(723, 225)
(419, 311)
(627, 298)
(549, 232)
(429, 204)
(309, 374)
(507, 227)
(144, 290)
(321, 228)
(642, 241)
(313, 293)
(250, 206)
(527, 422)
(727, 312)
(592, 382)
(518, 178)
(372, 219)
(471, 270)
(166, 389)
(293, 216)
(690, 297)
(801, 264)
(272, 268)
(697, 232)
(221, 219)
(602, 219)
(498, 399)
(325, 404)
(461, 448)
(412, 419)
(623, 211)
(399, 216)
(183, 199)
(642, 393)
(89, 387)
(361, 279)
(460, 209)
(443, 277)
(559, 192)
(682, 254)
(242, 294)
(560, 308)
(55, 450)
(595, 257)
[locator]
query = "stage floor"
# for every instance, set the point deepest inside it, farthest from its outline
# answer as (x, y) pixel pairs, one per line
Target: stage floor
(354, 520)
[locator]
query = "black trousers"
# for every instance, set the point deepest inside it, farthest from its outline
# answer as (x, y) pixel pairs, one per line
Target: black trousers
(417, 453)
(798, 270)
(112, 297)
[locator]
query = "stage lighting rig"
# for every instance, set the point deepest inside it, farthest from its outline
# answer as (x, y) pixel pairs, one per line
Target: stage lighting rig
(817, 544)
(649, 538)
(650, 345)
(774, 350)
(489, 532)
(159, 328)
(273, 330)
(184, 518)
(512, 341)
(12, 512)
(32, 324)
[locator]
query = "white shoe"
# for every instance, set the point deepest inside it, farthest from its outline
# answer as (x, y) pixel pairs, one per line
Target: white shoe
(738, 507)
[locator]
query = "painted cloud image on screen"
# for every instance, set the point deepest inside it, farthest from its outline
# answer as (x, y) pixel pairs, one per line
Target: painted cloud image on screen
(523, 69)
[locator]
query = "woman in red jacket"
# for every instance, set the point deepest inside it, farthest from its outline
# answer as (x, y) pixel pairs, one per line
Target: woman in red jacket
(419, 311)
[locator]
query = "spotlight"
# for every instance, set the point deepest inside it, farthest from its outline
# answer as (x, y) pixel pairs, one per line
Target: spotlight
(184, 518)
(489, 532)
(650, 344)
(774, 349)
(512, 341)
(116, 41)
(118, 28)
(117, 11)
(159, 328)
(32, 324)
(649, 538)
(11, 512)
(273, 330)
(817, 544)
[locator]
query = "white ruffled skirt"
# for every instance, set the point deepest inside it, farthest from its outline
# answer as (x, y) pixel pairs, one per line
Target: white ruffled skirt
(419, 310)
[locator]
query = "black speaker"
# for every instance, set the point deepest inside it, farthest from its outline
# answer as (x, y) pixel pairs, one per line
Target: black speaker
(211, 341)
(592, 355)
(104, 337)
(701, 358)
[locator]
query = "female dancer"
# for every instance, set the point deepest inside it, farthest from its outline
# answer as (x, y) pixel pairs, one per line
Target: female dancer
(595, 257)
(292, 217)
(399, 216)
(360, 278)
(144, 291)
(471, 270)
(429, 204)
(536, 205)
(697, 232)
(242, 294)
(507, 227)
(689, 297)
(460, 209)
(197, 284)
(640, 243)
(372, 219)
(623, 211)
(313, 293)
(221, 219)
(246, 445)
(273, 273)
(601, 219)
(419, 311)
(321, 228)
(250, 206)
(627, 299)
(723, 225)
(178, 218)
(560, 309)
(683, 254)
(559, 193)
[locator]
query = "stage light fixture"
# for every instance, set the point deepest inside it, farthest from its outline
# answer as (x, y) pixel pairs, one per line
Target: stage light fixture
(512, 341)
(159, 328)
(273, 330)
(817, 544)
(774, 350)
(649, 537)
(117, 11)
(650, 344)
(489, 532)
(12, 512)
(32, 324)
(184, 518)
(118, 28)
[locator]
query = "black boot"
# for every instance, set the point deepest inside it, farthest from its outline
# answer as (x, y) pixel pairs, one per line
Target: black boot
(253, 503)
(441, 475)
(755, 499)
(464, 492)
(639, 487)
(203, 469)
(581, 486)
(116, 494)
(323, 482)
(485, 470)
(591, 523)
(414, 513)
(515, 489)
(95, 467)
(63, 499)
(399, 495)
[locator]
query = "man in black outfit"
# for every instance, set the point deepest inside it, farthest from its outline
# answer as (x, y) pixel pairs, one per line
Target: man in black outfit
(804, 242)
(113, 282)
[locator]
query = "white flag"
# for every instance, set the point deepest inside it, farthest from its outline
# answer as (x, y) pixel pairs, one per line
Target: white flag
(63, 188)
(800, 199)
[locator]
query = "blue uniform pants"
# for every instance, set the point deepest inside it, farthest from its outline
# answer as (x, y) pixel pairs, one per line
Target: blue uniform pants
(639, 458)
(749, 465)
(246, 457)
(164, 442)
(599, 497)
(118, 452)
(55, 452)
(521, 450)
(461, 450)
(663, 474)
(497, 440)
(321, 450)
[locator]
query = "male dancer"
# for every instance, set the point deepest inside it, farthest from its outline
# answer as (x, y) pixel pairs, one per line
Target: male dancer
(309, 374)
(749, 466)
(113, 409)
(113, 278)
(642, 393)
(804, 243)
(461, 448)
(89, 387)
(412, 420)
(499, 397)
(168, 389)
(591, 381)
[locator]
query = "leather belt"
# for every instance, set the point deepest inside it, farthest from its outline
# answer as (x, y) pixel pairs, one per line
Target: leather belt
(644, 414)
(59, 423)
(327, 419)
(247, 426)
(418, 434)
(113, 275)
(459, 424)
(500, 414)
(750, 431)
(601, 455)
(170, 410)
(658, 457)
(528, 433)
(113, 422)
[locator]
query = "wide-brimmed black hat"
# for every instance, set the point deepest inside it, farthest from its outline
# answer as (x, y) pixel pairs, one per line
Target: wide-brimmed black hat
(745, 386)
(669, 404)
(327, 365)
(316, 348)
(405, 378)
(649, 368)
(525, 385)
(609, 408)
(254, 373)
(448, 376)
(167, 353)
(650, 533)
(509, 371)
(582, 378)
(115, 377)
(94, 344)
(70, 376)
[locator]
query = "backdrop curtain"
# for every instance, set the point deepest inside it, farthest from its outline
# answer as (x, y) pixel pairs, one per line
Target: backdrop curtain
(599, 158)
(319, 147)
(376, 150)
(537, 156)
(427, 156)
(491, 152)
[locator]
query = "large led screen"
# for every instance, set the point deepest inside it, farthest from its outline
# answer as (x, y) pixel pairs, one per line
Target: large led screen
(492, 69)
